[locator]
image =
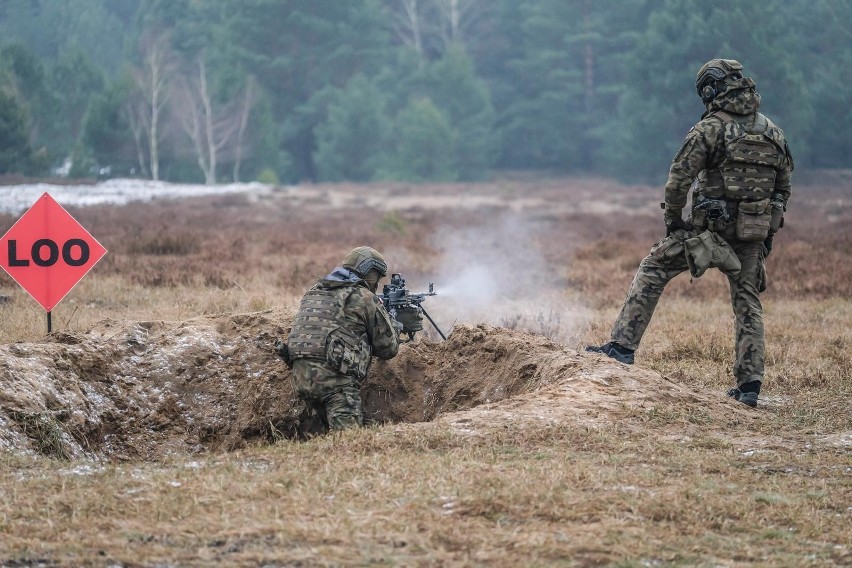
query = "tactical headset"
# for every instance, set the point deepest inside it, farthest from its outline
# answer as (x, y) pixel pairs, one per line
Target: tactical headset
(711, 80)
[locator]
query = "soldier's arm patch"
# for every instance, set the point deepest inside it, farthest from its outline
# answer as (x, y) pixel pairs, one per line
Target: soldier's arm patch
(686, 147)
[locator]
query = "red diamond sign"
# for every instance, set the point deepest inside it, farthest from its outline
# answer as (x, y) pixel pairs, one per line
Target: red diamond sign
(47, 252)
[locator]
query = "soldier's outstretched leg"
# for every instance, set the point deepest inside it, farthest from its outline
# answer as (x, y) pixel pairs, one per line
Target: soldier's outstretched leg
(749, 334)
(665, 261)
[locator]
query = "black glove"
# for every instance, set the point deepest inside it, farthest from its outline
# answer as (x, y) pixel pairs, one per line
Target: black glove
(675, 224)
(767, 245)
(411, 320)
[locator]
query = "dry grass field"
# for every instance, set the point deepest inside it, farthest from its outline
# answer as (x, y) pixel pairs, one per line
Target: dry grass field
(642, 466)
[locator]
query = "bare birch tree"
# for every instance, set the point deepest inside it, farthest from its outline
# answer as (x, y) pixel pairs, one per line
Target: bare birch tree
(248, 102)
(407, 22)
(457, 19)
(210, 130)
(153, 81)
(431, 26)
(133, 109)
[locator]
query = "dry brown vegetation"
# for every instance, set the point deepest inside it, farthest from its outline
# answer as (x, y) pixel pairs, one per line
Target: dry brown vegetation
(673, 481)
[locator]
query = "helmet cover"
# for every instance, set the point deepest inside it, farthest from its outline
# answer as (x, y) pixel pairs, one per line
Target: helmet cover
(363, 259)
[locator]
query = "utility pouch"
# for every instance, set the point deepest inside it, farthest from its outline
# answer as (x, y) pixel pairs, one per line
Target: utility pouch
(709, 250)
(348, 354)
(753, 220)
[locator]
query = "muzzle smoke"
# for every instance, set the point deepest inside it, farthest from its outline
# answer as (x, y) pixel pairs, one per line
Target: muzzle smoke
(497, 275)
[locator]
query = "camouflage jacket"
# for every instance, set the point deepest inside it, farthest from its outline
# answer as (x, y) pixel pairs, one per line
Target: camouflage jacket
(704, 148)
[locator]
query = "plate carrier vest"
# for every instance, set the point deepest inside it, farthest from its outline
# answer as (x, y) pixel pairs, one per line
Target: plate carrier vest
(321, 332)
(751, 156)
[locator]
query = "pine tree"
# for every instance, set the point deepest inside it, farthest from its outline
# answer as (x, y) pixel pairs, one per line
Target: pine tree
(351, 140)
(15, 151)
(424, 145)
(464, 99)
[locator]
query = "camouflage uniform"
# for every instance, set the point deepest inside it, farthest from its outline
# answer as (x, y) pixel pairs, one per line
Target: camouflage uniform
(702, 160)
(333, 389)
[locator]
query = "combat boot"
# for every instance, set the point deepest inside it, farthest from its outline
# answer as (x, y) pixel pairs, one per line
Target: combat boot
(746, 393)
(615, 351)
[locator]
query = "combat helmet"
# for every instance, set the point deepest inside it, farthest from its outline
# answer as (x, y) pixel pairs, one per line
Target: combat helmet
(362, 260)
(718, 76)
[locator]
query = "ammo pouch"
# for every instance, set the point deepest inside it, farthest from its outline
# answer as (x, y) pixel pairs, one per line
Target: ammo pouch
(347, 354)
(753, 220)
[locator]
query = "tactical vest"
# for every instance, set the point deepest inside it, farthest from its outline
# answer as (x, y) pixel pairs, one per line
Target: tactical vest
(321, 332)
(751, 156)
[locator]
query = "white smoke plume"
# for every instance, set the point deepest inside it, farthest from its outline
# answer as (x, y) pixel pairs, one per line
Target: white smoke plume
(496, 274)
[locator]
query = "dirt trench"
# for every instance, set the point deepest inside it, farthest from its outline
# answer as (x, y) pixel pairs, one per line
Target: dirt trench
(148, 390)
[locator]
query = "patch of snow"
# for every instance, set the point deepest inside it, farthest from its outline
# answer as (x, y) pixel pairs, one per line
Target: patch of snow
(137, 473)
(18, 198)
(83, 469)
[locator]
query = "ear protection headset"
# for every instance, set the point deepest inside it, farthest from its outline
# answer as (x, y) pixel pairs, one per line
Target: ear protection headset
(711, 81)
(708, 93)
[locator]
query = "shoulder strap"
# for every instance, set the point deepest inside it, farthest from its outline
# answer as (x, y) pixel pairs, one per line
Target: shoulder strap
(760, 124)
(724, 117)
(771, 131)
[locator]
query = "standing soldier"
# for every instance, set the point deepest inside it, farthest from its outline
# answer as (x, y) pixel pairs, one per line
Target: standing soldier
(341, 324)
(740, 166)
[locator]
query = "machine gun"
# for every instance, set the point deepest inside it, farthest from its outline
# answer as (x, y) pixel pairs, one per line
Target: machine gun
(398, 300)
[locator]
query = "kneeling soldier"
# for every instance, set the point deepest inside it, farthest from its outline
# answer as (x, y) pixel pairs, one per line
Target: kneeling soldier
(341, 324)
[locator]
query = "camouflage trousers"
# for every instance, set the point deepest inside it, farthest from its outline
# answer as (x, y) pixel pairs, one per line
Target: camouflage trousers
(665, 261)
(335, 397)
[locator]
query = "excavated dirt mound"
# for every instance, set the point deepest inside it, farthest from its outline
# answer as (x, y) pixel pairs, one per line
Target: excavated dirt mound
(150, 389)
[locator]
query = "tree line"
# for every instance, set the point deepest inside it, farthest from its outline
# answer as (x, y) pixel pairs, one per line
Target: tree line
(415, 90)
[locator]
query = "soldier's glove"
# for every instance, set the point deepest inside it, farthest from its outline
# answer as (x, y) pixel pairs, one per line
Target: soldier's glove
(411, 320)
(281, 349)
(778, 208)
(767, 246)
(675, 224)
